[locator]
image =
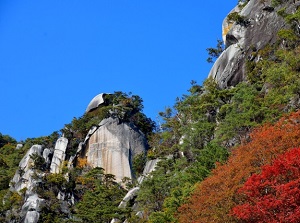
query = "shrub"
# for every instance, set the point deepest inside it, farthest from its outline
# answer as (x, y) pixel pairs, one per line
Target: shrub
(214, 197)
(274, 194)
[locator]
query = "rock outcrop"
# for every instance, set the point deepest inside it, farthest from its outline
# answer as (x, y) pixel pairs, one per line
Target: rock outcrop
(24, 179)
(132, 193)
(23, 176)
(59, 155)
(96, 102)
(259, 28)
(113, 146)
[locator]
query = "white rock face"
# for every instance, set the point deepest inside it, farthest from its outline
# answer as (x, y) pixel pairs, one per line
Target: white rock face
(25, 180)
(32, 203)
(261, 26)
(113, 146)
(226, 25)
(32, 217)
(129, 196)
(59, 155)
(95, 102)
(19, 146)
(46, 154)
(149, 167)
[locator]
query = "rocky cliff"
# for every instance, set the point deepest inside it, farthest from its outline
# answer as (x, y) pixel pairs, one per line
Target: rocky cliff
(255, 26)
(111, 145)
(112, 135)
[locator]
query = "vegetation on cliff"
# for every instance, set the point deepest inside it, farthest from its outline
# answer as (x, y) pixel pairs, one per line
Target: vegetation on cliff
(218, 147)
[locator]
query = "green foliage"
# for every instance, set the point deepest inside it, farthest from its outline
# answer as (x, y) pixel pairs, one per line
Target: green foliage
(138, 164)
(289, 36)
(276, 3)
(198, 115)
(127, 108)
(173, 180)
(239, 116)
(238, 19)
(215, 52)
(100, 202)
(38, 161)
(209, 117)
(5, 139)
(10, 201)
(9, 160)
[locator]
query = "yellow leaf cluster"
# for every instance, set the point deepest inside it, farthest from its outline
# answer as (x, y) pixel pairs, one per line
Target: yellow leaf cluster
(82, 162)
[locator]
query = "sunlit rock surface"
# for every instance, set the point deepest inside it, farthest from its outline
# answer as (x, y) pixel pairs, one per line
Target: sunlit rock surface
(32, 217)
(261, 26)
(23, 176)
(113, 146)
(59, 155)
(149, 167)
(129, 196)
(132, 193)
(23, 179)
(96, 101)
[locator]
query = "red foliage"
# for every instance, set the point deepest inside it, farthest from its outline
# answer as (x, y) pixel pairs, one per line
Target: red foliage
(214, 197)
(273, 195)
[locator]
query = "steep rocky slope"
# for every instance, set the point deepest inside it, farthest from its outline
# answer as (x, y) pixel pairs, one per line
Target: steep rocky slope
(101, 167)
(256, 26)
(111, 145)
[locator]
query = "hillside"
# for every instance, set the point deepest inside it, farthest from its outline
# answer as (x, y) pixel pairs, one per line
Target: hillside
(222, 153)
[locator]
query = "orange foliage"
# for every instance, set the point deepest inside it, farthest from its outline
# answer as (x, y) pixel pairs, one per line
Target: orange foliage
(213, 198)
(81, 162)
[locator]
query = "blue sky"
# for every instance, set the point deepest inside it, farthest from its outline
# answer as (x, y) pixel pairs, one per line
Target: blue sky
(55, 56)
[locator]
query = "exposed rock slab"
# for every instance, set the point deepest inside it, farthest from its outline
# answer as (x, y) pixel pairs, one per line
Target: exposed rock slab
(261, 29)
(32, 217)
(23, 177)
(129, 196)
(95, 102)
(149, 167)
(59, 155)
(113, 146)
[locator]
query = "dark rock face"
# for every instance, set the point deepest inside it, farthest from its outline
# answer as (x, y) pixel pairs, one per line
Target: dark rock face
(259, 29)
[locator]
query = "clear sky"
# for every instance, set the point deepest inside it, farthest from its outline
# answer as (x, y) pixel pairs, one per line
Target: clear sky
(56, 55)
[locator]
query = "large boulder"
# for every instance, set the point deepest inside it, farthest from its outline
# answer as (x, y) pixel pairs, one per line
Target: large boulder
(113, 147)
(241, 39)
(96, 102)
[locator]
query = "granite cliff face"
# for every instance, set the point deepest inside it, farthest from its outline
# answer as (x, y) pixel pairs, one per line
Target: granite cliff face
(259, 28)
(113, 146)
(24, 180)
